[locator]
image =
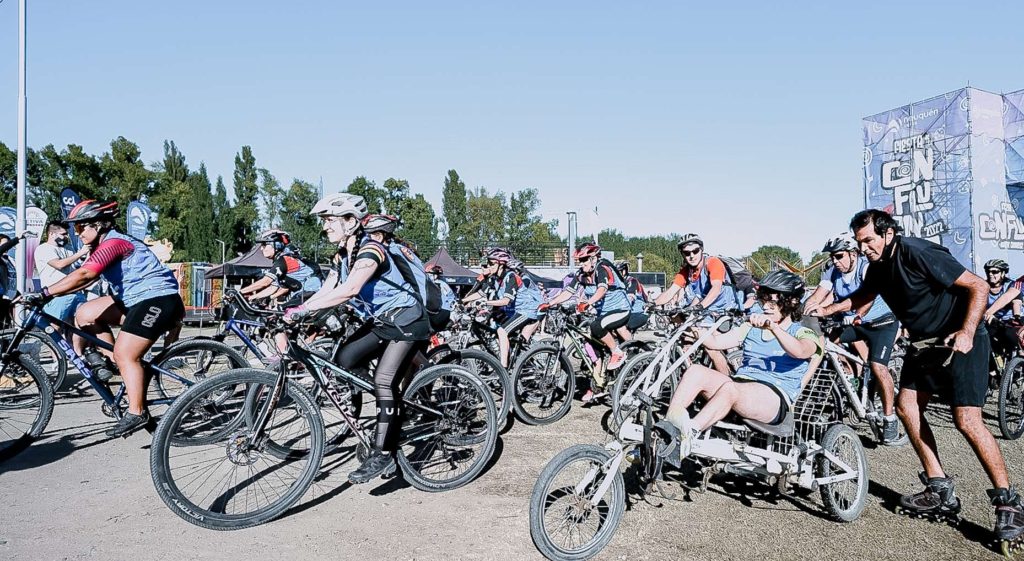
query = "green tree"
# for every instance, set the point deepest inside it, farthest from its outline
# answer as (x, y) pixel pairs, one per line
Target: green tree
(8, 175)
(296, 203)
(124, 174)
(245, 217)
(453, 206)
(368, 190)
(199, 221)
(419, 224)
(222, 216)
(485, 216)
(394, 196)
(172, 200)
(270, 197)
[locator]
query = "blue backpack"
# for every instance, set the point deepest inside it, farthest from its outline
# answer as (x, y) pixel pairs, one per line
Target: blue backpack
(409, 265)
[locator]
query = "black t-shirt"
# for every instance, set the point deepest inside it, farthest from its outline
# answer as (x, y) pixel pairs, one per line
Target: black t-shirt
(916, 281)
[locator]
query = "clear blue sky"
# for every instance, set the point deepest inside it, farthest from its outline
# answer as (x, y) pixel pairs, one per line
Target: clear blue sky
(740, 121)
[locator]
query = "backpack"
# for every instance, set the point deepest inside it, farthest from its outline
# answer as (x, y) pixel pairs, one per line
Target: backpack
(738, 274)
(317, 271)
(426, 292)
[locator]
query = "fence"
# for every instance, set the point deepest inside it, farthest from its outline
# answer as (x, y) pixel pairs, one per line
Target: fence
(468, 252)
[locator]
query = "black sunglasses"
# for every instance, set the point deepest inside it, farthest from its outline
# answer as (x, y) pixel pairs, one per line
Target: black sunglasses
(690, 252)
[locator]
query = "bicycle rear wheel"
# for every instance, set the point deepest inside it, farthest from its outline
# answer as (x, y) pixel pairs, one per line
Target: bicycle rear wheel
(224, 478)
(488, 369)
(1011, 399)
(449, 429)
(543, 383)
(26, 405)
(194, 360)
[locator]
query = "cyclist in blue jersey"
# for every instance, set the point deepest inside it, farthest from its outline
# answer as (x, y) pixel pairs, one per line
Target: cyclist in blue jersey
(365, 274)
(638, 299)
(872, 330)
(448, 297)
(605, 292)
(517, 301)
(289, 278)
(146, 303)
(1003, 334)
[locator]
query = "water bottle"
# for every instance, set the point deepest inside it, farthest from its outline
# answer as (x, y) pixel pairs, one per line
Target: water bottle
(590, 352)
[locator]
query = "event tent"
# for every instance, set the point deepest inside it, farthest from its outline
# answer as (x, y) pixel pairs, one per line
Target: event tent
(453, 272)
(251, 264)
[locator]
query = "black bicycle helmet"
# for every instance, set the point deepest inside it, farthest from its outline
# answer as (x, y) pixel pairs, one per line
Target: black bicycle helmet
(91, 209)
(435, 270)
(275, 236)
(998, 264)
(622, 266)
(380, 223)
(842, 242)
(783, 282)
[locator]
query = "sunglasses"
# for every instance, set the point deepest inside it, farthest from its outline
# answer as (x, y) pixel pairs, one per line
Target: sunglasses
(768, 296)
(993, 271)
(585, 259)
(686, 253)
(838, 256)
(79, 227)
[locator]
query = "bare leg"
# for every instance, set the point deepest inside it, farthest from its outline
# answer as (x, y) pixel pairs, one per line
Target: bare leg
(886, 387)
(910, 406)
(752, 401)
(969, 422)
(695, 381)
(128, 352)
(503, 346)
(95, 317)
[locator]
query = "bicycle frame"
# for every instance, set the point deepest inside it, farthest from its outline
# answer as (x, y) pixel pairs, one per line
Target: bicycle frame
(52, 326)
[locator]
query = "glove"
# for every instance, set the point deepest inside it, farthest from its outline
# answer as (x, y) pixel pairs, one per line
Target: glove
(851, 320)
(582, 307)
(36, 298)
(292, 315)
(543, 307)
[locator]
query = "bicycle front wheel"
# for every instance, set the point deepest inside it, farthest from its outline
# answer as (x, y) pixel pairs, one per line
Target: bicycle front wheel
(26, 405)
(192, 360)
(449, 429)
(1011, 400)
(210, 469)
(543, 383)
(488, 368)
(44, 353)
(567, 518)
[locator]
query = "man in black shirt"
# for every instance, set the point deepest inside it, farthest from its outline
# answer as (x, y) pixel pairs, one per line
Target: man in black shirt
(940, 303)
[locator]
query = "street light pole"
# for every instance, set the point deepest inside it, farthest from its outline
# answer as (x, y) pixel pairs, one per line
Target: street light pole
(223, 268)
(19, 220)
(572, 238)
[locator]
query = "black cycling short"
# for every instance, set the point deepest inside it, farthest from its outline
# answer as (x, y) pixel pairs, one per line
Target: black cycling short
(152, 317)
(962, 383)
(880, 338)
(783, 400)
(607, 322)
(295, 299)
(636, 321)
(402, 324)
(516, 323)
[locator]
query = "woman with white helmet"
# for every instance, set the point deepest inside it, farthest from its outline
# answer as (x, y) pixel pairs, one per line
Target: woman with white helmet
(365, 274)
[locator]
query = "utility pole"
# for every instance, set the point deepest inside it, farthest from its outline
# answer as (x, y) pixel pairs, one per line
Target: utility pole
(19, 220)
(572, 238)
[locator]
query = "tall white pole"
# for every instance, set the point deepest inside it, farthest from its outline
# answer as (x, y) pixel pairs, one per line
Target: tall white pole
(19, 225)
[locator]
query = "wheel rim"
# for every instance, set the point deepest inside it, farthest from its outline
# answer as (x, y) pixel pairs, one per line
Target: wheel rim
(20, 406)
(570, 522)
(846, 494)
(542, 385)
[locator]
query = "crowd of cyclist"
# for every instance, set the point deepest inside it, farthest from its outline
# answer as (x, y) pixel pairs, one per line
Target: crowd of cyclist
(878, 282)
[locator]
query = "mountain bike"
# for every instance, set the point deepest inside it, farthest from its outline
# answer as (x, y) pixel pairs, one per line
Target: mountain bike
(26, 395)
(239, 449)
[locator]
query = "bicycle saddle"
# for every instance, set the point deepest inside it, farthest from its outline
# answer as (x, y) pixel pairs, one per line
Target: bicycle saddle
(781, 430)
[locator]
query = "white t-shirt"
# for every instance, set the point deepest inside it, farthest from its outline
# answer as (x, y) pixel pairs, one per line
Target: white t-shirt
(44, 254)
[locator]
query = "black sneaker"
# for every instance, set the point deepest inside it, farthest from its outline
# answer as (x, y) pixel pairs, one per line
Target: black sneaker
(377, 464)
(128, 424)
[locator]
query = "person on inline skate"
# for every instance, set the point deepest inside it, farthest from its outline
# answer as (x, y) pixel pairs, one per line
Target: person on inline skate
(872, 330)
(146, 303)
(936, 299)
(777, 357)
(366, 273)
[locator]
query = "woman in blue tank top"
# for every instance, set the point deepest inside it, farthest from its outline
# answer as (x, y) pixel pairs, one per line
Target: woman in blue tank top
(146, 303)
(366, 274)
(777, 357)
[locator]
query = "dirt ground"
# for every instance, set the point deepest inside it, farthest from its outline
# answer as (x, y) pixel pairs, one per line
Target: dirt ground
(77, 495)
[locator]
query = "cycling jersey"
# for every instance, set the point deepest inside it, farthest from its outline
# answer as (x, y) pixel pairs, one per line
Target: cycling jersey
(634, 288)
(377, 297)
(843, 285)
(615, 299)
(523, 294)
(131, 268)
(288, 271)
(765, 360)
(699, 282)
(1007, 311)
(447, 295)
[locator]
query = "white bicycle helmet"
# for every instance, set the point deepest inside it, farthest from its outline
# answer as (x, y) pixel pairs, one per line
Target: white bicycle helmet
(340, 204)
(842, 242)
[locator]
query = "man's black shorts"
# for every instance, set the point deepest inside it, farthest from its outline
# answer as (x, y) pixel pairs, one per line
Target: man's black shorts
(153, 317)
(962, 383)
(516, 323)
(880, 339)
